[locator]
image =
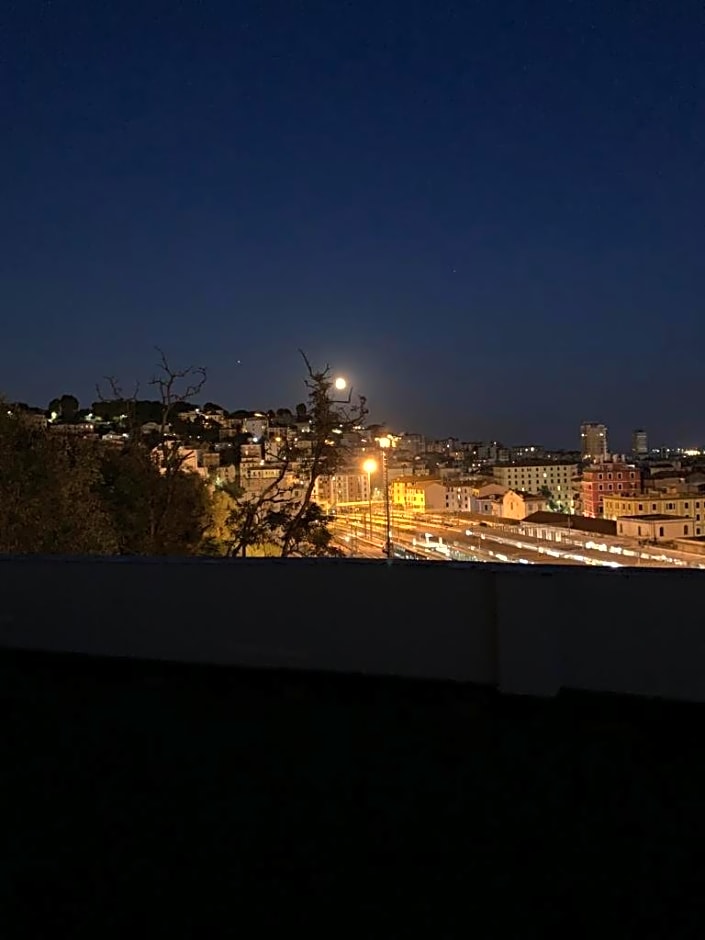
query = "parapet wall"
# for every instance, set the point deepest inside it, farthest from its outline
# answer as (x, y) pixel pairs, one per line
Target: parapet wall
(531, 630)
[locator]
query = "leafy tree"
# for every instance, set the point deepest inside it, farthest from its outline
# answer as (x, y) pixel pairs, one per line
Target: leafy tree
(65, 407)
(258, 527)
(153, 514)
(308, 532)
(553, 504)
(110, 410)
(69, 407)
(49, 493)
(148, 412)
(251, 524)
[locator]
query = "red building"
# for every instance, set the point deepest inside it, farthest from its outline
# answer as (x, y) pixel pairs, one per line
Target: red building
(606, 479)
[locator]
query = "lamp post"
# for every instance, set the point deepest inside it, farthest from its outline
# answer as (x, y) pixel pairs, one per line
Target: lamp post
(370, 467)
(385, 443)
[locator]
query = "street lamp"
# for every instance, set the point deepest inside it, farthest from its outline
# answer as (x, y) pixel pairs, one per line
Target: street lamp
(385, 443)
(370, 467)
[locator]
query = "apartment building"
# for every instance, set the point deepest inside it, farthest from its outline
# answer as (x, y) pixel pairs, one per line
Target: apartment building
(467, 496)
(605, 479)
(593, 440)
(532, 477)
(418, 494)
(640, 442)
(656, 503)
(341, 488)
(256, 424)
(412, 443)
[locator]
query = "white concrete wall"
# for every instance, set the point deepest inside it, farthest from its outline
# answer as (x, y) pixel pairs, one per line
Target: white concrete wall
(522, 629)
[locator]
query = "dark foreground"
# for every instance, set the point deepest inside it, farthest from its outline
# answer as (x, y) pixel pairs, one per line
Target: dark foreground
(193, 801)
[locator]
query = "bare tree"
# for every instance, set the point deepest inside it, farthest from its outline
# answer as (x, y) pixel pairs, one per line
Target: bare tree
(174, 387)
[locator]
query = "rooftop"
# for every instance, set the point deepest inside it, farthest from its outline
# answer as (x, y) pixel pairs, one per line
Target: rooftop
(536, 462)
(656, 517)
(416, 481)
(569, 520)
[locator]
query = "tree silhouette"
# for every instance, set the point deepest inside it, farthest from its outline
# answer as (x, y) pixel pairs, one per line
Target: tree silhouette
(283, 512)
(65, 407)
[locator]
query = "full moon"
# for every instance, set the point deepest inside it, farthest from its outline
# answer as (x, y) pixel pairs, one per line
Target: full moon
(340, 384)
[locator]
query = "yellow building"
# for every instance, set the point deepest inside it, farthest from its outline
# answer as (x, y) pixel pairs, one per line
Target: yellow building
(418, 494)
(655, 528)
(518, 505)
(683, 505)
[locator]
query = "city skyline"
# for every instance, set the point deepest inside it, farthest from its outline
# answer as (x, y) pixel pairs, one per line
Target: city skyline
(485, 217)
(645, 445)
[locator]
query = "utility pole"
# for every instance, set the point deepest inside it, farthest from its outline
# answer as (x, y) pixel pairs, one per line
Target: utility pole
(385, 443)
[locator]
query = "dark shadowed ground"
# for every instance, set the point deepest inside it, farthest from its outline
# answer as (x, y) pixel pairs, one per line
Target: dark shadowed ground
(197, 801)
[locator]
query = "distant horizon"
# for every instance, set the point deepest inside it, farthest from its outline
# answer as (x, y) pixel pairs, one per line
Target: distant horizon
(144, 394)
(488, 216)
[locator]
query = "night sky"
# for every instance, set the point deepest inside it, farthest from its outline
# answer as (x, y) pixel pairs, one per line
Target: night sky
(490, 216)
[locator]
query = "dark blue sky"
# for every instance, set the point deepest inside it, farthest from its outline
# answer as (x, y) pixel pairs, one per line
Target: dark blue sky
(491, 216)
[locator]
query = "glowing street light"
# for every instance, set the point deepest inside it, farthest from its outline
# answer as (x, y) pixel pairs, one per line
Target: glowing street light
(370, 467)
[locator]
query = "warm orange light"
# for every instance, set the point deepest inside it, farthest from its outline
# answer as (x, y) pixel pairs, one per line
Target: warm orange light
(370, 466)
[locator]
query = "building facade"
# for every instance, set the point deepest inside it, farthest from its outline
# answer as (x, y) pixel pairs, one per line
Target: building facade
(640, 443)
(418, 494)
(593, 441)
(556, 478)
(341, 488)
(656, 528)
(602, 480)
(519, 505)
(680, 505)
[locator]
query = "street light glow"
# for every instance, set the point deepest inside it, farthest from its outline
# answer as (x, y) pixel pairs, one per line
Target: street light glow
(370, 465)
(385, 442)
(341, 384)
